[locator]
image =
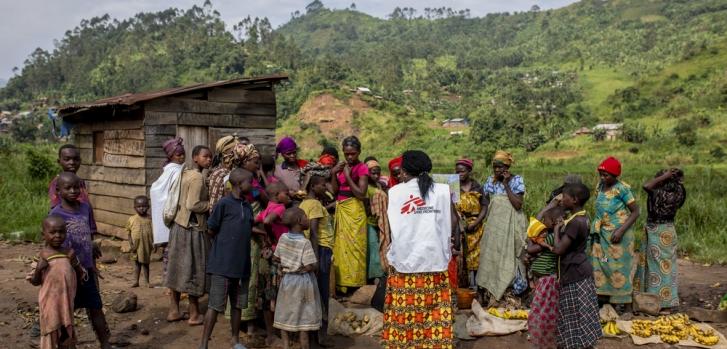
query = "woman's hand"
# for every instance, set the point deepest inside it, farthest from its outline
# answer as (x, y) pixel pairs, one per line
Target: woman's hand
(506, 177)
(347, 169)
(338, 168)
(471, 228)
(617, 235)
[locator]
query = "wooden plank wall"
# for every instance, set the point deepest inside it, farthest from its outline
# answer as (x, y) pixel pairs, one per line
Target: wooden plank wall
(120, 176)
(156, 135)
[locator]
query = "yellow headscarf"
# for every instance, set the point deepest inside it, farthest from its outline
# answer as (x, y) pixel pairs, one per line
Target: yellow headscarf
(244, 152)
(503, 157)
(224, 147)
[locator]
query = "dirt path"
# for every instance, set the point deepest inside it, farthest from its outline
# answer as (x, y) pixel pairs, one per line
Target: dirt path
(146, 328)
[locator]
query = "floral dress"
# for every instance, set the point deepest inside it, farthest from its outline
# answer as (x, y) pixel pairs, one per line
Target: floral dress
(613, 264)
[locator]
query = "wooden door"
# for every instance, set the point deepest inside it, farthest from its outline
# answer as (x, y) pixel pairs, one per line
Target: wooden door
(192, 136)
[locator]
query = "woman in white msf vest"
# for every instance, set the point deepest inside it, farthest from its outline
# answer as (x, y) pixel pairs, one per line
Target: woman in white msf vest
(418, 305)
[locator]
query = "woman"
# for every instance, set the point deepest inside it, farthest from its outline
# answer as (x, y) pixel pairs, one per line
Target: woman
(472, 209)
(612, 241)
(394, 171)
(289, 171)
(375, 196)
(222, 165)
(504, 233)
(349, 182)
(666, 196)
(421, 219)
(249, 158)
(188, 244)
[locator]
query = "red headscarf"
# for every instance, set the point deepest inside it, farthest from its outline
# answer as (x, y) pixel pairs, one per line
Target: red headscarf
(466, 163)
(327, 160)
(395, 162)
(611, 165)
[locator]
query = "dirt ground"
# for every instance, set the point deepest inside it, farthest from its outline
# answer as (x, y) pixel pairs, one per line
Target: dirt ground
(700, 286)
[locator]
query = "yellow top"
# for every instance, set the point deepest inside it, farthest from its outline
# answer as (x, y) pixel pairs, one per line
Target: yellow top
(314, 210)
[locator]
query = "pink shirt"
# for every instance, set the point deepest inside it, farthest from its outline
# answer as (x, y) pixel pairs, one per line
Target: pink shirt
(359, 170)
(278, 228)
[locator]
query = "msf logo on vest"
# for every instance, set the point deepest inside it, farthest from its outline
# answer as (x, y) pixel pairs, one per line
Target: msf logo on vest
(412, 204)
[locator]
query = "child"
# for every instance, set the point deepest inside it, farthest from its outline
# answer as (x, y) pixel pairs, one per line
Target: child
(271, 221)
(80, 227)
(544, 270)
(141, 239)
(230, 227)
(298, 306)
(375, 194)
(578, 319)
(69, 157)
(57, 273)
(320, 232)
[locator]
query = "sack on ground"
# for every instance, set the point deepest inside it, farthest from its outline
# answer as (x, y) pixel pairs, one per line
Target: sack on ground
(363, 295)
(482, 323)
(351, 322)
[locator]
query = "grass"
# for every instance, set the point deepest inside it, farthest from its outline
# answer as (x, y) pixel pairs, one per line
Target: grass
(24, 197)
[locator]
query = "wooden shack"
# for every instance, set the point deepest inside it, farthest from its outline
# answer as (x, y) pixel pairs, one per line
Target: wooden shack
(120, 137)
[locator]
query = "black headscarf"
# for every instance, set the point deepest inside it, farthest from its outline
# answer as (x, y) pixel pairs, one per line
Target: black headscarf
(418, 164)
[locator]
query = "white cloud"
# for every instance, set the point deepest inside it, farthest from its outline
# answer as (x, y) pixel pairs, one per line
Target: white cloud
(28, 24)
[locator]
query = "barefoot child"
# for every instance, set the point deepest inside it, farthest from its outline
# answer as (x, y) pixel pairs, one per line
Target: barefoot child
(298, 306)
(578, 320)
(69, 157)
(544, 270)
(141, 239)
(230, 227)
(80, 227)
(270, 220)
(57, 274)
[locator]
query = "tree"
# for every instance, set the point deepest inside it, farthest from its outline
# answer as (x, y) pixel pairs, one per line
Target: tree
(314, 7)
(353, 6)
(535, 8)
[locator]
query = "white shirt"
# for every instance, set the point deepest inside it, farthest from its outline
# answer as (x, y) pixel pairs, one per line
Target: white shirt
(420, 231)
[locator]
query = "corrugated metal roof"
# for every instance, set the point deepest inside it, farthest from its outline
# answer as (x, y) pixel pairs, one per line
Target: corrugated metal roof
(133, 98)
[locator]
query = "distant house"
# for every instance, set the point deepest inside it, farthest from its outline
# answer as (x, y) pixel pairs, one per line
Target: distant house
(582, 131)
(613, 131)
(120, 137)
(458, 122)
(362, 90)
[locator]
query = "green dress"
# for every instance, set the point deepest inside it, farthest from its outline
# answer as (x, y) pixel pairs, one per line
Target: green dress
(613, 264)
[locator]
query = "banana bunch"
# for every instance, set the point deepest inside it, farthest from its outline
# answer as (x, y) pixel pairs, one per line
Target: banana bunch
(508, 314)
(707, 337)
(673, 328)
(610, 328)
(349, 319)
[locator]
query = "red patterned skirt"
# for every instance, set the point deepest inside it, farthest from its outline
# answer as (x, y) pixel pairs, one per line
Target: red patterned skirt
(543, 317)
(418, 311)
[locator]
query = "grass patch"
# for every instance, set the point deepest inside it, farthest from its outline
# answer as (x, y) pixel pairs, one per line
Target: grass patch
(25, 196)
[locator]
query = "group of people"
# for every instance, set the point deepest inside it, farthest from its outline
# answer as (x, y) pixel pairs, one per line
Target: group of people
(269, 239)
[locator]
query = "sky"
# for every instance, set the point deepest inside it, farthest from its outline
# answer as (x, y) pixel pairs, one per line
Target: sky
(28, 24)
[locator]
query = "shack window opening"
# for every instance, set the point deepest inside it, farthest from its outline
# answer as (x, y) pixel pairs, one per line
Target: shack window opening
(98, 145)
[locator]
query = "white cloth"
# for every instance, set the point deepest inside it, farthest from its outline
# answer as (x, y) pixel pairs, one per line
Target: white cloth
(420, 231)
(168, 182)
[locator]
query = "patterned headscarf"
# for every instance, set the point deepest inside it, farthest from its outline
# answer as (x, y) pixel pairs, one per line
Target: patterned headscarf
(173, 147)
(502, 157)
(225, 149)
(245, 152)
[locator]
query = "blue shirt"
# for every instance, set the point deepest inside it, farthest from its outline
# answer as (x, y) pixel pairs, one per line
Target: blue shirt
(517, 185)
(229, 256)
(80, 227)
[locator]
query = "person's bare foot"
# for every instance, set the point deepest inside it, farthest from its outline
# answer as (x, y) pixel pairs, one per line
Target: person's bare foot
(174, 316)
(136, 284)
(196, 320)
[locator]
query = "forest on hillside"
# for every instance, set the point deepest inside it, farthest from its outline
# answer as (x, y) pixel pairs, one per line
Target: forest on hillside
(520, 79)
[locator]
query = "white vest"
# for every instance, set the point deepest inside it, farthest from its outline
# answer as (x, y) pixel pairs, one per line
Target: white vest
(420, 230)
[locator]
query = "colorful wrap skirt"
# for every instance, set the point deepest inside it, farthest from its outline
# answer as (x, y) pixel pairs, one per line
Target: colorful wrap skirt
(544, 313)
(349, 251)
(418, 311)
(657, 272)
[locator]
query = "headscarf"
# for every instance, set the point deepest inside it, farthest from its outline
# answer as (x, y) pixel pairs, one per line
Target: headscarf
(245, 152)
(611, 165)
(502, 157)
(327, 160)
(466, 163)
(173, 147)
(418, 164)
(313, 169)
(395, 162)
(225, 150)
(286, 145)
(372, 163)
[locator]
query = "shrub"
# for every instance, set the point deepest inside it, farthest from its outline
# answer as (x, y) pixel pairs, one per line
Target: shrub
(634, 133)
(718, 153)
(599, 135)
(634, 150)
(38, 164)
(25, 129)
(685, 132)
